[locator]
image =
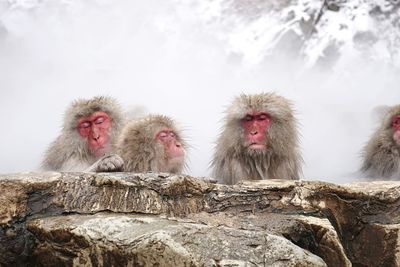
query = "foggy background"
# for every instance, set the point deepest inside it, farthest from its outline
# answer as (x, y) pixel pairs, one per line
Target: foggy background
(186, 60)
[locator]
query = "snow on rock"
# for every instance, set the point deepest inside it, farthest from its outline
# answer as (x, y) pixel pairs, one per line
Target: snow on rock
(330, 31)
(327, 32)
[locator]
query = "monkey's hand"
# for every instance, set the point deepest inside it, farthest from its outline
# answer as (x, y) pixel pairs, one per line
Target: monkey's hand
(108, 163)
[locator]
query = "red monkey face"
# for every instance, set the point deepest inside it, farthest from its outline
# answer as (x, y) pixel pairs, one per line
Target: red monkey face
(396, 127)
(96, 130)
(172, 147)
(255, 129)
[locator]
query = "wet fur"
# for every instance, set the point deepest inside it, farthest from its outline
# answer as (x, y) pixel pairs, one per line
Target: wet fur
(381, 154)
(140, 150)
(69, 152)
(233, 162)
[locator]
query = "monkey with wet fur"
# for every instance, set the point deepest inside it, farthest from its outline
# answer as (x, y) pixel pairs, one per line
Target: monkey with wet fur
(152, 143)
(90, 128)
(381, 155)
(259, 141)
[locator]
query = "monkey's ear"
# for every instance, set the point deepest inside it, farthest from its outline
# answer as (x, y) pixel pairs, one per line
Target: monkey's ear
(379, 112)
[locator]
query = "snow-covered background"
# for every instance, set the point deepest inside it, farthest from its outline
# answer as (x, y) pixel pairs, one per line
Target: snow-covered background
(336, 61)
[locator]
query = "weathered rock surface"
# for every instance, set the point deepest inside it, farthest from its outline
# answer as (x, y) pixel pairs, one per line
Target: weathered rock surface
(139, 240)
(127, 219)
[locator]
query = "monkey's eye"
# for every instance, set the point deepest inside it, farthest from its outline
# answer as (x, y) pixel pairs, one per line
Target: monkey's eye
(171, 134)
(396, 121)
(99, 120)
(248, 118)
(84, 125)
(163, 134)
(262, 117)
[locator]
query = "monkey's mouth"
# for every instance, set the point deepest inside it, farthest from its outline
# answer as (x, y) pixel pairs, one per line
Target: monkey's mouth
(257, 146)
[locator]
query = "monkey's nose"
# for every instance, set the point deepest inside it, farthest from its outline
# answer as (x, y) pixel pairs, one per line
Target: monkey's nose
(253, 132)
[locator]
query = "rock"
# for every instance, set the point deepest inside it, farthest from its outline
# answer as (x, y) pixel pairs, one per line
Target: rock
(384, 254)
(71, 219)
(16, 243)
(333, 7)
(357, 28)
(314, 234)
(365, 38)
(330, 55)
(139, 240)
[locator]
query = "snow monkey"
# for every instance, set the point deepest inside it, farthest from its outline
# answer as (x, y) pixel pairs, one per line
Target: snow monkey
(382, 152)
(259, 141)
(90, 127)
(152, 143)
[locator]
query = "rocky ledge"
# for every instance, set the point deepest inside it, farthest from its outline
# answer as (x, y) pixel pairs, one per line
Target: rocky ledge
(128, 219)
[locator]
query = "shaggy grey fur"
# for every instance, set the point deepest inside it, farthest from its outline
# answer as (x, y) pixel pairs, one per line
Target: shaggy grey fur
(382, 153)
(140, 150)
(234, 162)
(69, 152)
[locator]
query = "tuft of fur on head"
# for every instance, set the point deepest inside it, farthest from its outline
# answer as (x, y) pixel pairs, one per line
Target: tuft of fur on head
(390, 114)
(140, 149)
(85, 107)
(382, 154)
(232, 159)
(69, 146)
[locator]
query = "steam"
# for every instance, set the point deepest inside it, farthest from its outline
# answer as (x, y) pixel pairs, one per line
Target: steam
(175, 59)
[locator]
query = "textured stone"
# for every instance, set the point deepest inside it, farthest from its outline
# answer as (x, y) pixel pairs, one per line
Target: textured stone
(355, 224)
(138, 240)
